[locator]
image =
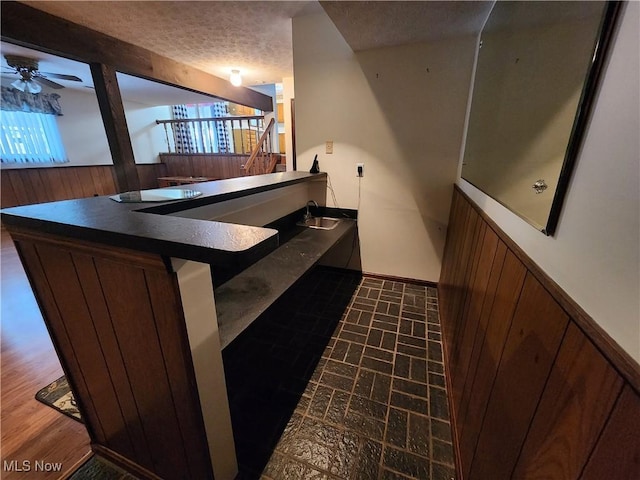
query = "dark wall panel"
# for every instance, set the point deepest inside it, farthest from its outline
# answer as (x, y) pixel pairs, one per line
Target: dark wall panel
(25, 186)
(617, 453)
(534, 338)
(116, 320)
(535, 383)
(576, 403)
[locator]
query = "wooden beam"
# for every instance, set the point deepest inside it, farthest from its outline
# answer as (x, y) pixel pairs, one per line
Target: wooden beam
(115, 125)
(32, 28)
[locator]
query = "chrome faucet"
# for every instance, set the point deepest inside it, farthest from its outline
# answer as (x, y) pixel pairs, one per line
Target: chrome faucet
(308, 215)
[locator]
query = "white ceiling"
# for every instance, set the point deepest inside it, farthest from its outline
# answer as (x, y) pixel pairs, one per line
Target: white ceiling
(252, 36)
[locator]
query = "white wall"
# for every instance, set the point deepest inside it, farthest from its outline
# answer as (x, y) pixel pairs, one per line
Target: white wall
(83, 134)
(148, 139)
(400, 111)
(595, 254)
(82, 130)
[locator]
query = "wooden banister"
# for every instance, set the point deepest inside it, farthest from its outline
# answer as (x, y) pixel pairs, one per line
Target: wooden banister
(260, 150)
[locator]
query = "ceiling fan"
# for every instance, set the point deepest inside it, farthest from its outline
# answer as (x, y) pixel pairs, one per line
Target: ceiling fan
(31, 78)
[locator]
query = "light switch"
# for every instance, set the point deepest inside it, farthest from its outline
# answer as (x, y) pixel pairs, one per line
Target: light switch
(329, 146)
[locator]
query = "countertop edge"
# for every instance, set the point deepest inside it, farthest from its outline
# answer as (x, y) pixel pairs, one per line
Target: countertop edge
(180, 237)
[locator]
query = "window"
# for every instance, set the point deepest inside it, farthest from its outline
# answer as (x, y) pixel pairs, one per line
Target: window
(29, 137)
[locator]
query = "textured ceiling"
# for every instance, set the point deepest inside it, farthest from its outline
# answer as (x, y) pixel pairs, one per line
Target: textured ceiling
(373, 24)
(255, 36)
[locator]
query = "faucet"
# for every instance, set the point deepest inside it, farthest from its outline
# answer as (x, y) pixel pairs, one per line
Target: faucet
(308, 215)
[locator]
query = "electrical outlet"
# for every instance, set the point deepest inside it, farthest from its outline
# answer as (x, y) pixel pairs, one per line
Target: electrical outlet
(360, 169)
(329, 148)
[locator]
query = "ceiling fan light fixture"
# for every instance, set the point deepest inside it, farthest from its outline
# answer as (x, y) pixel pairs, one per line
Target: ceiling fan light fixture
(33, 87)
(19, 84)
(26, 85)
(235, 78)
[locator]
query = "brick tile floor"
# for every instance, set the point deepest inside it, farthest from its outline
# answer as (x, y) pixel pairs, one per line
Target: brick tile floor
(342, 379)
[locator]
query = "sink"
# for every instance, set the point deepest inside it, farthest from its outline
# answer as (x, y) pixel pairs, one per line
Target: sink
(321, 223)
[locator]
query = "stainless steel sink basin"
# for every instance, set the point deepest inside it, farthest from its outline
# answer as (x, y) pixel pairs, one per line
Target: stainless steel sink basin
(321, 223)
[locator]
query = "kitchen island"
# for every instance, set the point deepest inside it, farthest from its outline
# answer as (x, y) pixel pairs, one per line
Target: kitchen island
(127, 293)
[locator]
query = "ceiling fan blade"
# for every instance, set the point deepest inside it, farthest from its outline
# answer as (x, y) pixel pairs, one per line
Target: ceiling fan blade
(61, 76)
(48, 83)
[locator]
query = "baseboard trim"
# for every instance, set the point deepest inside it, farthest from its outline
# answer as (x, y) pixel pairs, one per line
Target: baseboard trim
(124, 463)
(391, 278)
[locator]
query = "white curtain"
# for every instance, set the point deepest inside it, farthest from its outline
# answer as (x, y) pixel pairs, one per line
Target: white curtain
(30, 138)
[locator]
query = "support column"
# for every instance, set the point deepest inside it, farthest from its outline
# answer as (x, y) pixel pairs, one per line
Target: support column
(115, 124)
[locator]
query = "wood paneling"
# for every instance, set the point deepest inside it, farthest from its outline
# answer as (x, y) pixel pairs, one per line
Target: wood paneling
(148, 173)
(24, 186)
(577, 401)
(205, 165)
(534, 338)
(30, 429)
(461, 357)
(491, 344)
(129, 364)
(617, 453)
(535, 383)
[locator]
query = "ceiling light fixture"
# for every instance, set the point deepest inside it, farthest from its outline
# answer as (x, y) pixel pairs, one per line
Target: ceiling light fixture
(29, 85)
(235, 78)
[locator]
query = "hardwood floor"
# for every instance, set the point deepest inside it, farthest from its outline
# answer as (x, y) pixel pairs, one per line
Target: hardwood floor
(31, 431)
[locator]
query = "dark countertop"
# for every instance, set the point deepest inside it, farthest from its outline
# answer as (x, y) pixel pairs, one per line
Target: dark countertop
(243, 298)
(147, 227)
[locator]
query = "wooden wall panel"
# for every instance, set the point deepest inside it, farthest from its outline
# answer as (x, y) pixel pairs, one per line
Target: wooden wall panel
(130, 367)
(476, 338)
(99, 313)
(535, 383)
(173, 340)
(140, 350)
(38, 185)
(217, 166)
(617, 454)
(461, 357)
(46, 301)
(148, 174)
(492, 345)
(65, 287)
(576, 403)
(24, 186)
(533, 342)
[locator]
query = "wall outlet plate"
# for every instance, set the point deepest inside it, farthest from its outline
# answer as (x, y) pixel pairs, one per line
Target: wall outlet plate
(360, 169)
(329, 147)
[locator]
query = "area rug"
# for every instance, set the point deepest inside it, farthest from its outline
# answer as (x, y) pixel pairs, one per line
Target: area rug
(58, 395)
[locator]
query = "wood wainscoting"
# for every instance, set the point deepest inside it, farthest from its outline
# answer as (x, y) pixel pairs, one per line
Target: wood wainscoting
(218, 166)
(116, 321)
(24, 186)
(537, 388)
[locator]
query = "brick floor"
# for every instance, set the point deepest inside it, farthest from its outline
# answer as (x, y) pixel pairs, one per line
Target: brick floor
(342, 379)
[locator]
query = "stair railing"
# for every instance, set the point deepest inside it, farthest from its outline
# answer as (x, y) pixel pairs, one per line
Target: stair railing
(224, 135)
(262, 159)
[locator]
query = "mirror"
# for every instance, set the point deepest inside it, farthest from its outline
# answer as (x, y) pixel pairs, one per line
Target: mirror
(537, 68)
